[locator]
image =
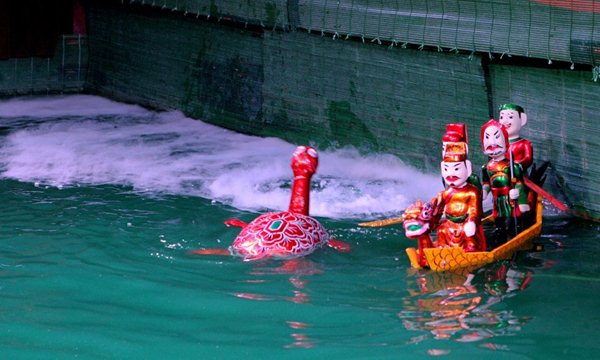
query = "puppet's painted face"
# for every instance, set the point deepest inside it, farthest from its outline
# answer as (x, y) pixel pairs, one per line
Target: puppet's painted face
(494, 144)
(416, 219)
(511, 119)
(455, 173)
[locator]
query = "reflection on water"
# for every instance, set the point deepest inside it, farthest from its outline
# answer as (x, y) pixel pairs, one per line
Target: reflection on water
(460, 307)
(300, 339)
(295, 271)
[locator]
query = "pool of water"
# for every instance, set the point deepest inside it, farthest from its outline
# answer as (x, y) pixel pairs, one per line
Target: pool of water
(101, 203)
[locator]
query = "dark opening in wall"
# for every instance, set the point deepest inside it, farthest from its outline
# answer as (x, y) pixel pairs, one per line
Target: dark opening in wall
(31, 28)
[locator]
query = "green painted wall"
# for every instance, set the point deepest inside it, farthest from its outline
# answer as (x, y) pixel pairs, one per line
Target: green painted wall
(349, 93)
(308, 88)
(562, 108)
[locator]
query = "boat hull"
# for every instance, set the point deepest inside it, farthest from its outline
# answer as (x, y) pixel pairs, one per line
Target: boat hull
(456, 259)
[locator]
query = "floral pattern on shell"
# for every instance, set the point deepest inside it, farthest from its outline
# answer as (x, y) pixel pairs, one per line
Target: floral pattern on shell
(280, 235)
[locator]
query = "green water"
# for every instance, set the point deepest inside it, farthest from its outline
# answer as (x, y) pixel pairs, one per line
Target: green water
(96, 266)
(100, 272)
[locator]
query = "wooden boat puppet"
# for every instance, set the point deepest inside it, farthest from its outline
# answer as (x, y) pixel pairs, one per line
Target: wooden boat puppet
(456, 259)
(460, 243)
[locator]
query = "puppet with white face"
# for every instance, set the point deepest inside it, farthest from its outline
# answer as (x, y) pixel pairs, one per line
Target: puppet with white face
(457, 173)
(495, 140)
(501, 177)
(459, 203)
(513, 117)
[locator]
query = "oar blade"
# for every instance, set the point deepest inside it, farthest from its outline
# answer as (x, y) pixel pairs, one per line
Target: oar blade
(554, 201)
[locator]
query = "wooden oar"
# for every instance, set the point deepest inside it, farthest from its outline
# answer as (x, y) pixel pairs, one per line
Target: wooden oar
(398, 220)
(554, 201)
(381, 223)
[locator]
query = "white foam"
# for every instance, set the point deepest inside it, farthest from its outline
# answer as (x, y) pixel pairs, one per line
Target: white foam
(169, 153)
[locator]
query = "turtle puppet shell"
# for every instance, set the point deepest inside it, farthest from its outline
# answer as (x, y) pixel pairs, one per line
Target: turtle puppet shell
(282, 235)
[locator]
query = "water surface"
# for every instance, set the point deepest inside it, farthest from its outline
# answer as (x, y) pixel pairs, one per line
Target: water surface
(102, 201)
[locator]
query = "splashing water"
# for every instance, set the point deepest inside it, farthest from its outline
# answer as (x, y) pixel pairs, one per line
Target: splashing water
(87, 140)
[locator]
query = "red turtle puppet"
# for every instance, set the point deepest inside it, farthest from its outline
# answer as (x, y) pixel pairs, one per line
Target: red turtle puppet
(286, 234)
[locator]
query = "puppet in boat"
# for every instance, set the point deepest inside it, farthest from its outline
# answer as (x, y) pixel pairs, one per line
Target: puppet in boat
(516, 187)
(502, 177)
(514, 118)
(460, 203)
(285, 234)
(455, 212)
(457, 133)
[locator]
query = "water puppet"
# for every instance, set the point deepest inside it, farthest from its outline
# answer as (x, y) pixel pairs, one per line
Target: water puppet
(456, 260)
(459, 203)
(286, 234)
(415, 220)
(454, 212)
(461, 245)
(457, 132)
(504, 179)
(449, 228)
(513, 117)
